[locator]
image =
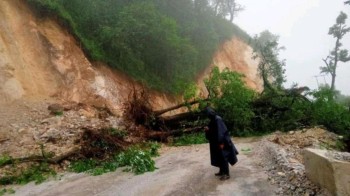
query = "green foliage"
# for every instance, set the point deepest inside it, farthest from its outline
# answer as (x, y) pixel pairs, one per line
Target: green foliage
(190, 92)
(4, 159)
(118, 133)
(338, 31)
(276, 110)
(134, 159)
(271, 68)
(161, 43)
(226, 8)
(327, 112)
(83, 165)
(36, 172)
(7, 191)
(189, 139)
(231, 98)
(153, 148)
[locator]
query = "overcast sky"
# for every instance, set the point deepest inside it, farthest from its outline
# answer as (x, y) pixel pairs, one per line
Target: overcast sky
(303, 29)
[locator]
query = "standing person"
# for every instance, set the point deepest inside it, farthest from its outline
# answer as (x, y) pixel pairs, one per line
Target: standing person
(222, 150)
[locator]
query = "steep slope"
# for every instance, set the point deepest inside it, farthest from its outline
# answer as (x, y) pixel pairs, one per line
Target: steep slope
(235, 55)
(40, 60)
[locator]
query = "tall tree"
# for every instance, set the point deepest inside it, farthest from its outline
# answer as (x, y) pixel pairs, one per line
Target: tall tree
(224, 8)
(271, 68)
(337, 55)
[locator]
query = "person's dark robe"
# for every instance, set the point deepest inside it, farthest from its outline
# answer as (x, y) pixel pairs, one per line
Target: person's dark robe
(218, 134)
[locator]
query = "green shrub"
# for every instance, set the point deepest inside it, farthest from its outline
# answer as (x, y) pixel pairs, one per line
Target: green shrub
(36, 172)
(329, 113)
(4, 159)
(135, 159)
(83, 165)
(7, 191)
(189, 139)
(231, 99)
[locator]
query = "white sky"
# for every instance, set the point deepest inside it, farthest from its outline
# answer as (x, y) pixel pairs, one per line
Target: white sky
(303, 29)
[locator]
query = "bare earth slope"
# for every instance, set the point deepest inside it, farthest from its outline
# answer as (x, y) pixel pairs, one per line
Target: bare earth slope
(181, 171)
(40, 59)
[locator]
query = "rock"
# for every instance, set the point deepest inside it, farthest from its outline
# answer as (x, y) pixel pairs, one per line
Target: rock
(291, 132)
(55, 108)
(53, 121)
(51, 134)
(281, 174)
(89, 113)
(27, 140)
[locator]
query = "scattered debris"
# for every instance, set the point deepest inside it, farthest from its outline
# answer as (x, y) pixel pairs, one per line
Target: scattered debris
(281, 157)
(341, 156)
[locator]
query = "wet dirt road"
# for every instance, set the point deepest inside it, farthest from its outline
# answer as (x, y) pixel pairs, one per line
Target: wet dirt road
(181, 171)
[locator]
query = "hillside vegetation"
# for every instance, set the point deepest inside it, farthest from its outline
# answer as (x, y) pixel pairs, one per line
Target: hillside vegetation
(163, 44)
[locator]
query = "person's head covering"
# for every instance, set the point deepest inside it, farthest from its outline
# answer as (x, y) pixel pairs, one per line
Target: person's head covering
(210, 112)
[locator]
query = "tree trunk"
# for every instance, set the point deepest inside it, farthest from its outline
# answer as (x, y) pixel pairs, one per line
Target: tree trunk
(160, 112)
(40, 159)
(336, 58)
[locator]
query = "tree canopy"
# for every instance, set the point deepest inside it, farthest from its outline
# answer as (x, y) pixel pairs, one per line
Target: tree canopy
(271, 68)
(338, 30)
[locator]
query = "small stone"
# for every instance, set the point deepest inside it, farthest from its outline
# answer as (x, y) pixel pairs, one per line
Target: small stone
(55, 108)
(281, 174)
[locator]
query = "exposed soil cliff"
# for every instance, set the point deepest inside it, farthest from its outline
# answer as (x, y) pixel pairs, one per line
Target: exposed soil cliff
(40, 60)
(237, 56)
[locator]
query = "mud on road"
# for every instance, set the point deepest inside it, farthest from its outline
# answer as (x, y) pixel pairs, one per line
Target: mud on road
(181, 171)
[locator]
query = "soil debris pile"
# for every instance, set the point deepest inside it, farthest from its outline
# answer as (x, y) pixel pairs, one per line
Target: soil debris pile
(59, 136)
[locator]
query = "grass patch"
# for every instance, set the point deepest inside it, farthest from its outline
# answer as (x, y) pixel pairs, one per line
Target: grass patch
(194, 138)
(7, 191)
(4, 159)
(35, 172)
(246, 150)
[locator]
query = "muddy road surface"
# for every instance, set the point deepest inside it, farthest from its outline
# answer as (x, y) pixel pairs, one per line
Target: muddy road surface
(181, 171)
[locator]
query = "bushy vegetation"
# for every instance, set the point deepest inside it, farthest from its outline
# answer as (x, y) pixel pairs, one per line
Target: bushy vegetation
(7, 191)
(163, 44)
(247, 113)
(35, 172)
(135, 159)
(189, 139)
(231, 98)
(328, 112)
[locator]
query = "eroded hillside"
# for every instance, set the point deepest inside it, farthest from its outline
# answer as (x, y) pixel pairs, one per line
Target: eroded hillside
(41, 60)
